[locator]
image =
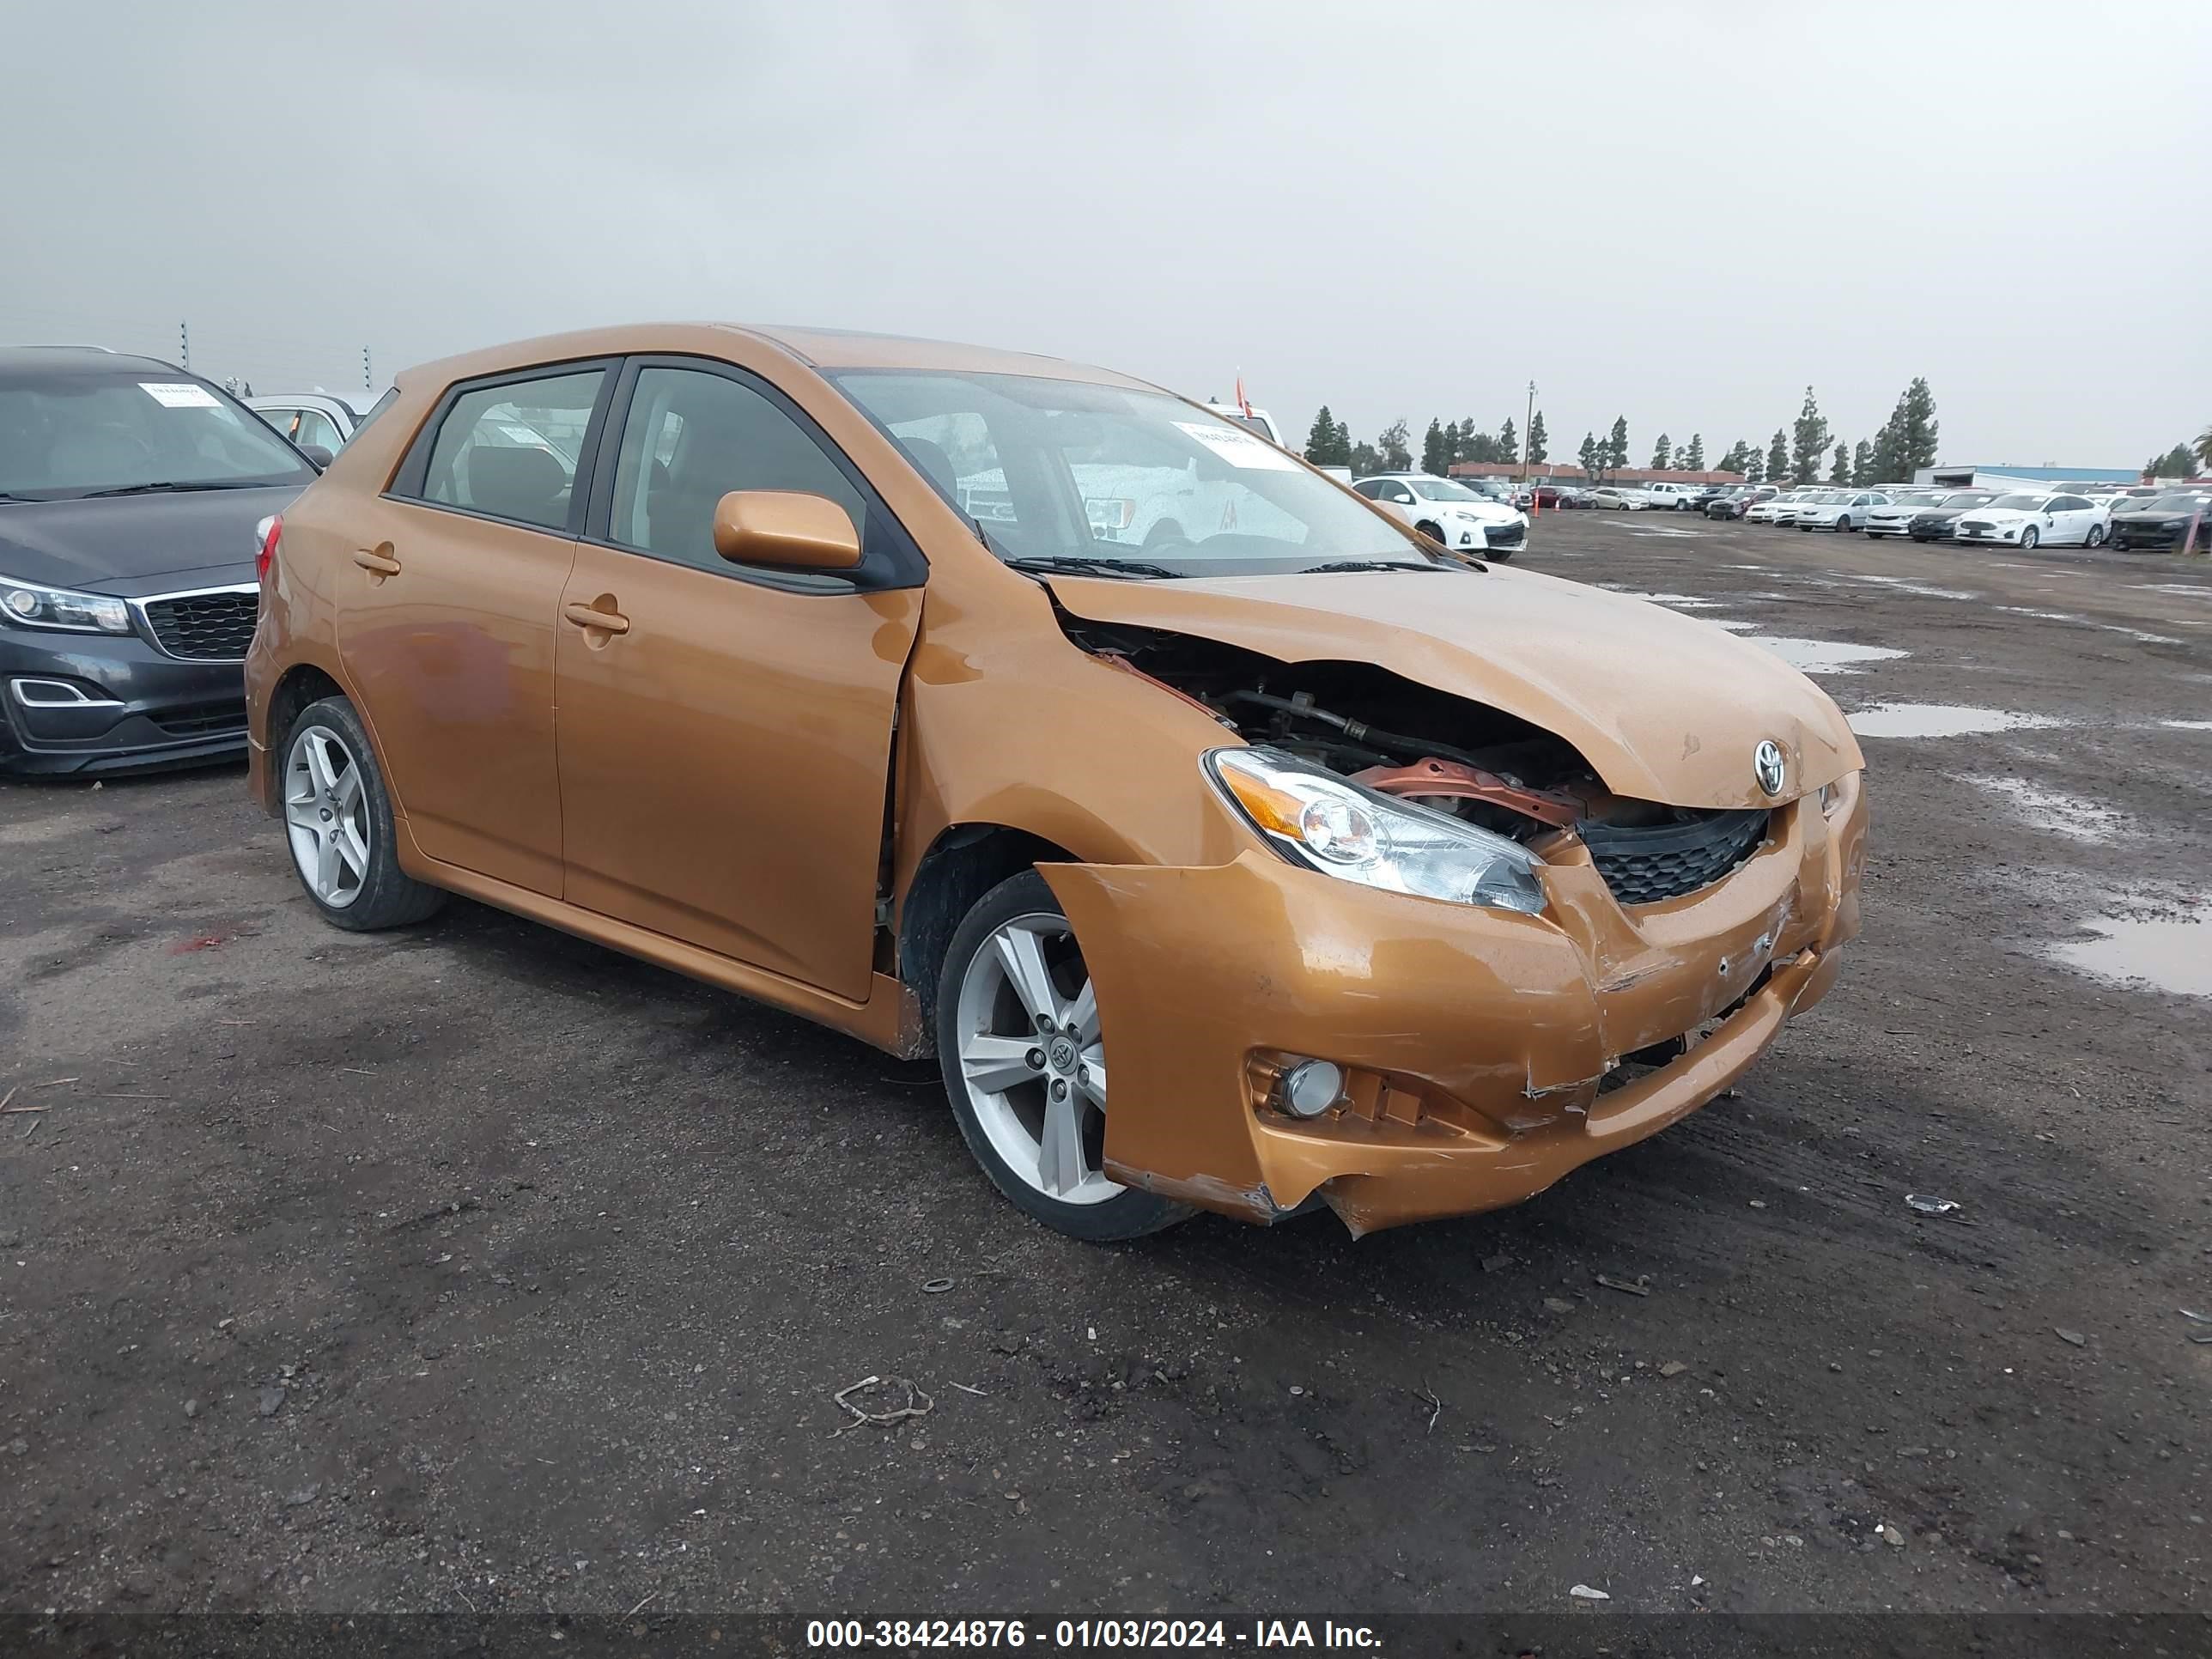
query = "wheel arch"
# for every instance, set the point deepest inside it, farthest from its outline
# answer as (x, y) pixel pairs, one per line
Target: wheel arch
(966, 861)
(300, 685)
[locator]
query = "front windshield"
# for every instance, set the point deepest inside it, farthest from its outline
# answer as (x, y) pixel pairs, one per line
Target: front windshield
(1444, 489)
(2022, 503)
(66, 433)
(1065, 470)
(2163, 504)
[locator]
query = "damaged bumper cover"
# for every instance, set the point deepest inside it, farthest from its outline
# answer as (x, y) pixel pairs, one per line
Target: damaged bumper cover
(1482, 1048)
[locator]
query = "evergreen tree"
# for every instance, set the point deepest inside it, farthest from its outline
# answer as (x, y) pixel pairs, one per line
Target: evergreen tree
(1692, 460)
(1538, 452)
(1777, 458)
(1733, 460)
(1840, 473)
(1616, 452)
(1482, 447)
(1661, 456)
(1454, 436)
(1862, 464)
(1754, 465)
(1363, 458)
(2178, 462)
(1589, 456)
(1509, 441)
(1394, 441)
(1812, 435)
(1917, 432)
(1324, 439)
(1435, 458)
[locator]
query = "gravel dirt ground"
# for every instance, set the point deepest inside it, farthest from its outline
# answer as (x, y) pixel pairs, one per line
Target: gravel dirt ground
(475, 1266)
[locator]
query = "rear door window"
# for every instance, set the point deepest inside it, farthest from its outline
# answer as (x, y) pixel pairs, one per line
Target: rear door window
(510, 451)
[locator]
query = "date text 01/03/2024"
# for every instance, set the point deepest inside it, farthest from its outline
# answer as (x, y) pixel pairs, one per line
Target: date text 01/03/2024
(1079, 1633)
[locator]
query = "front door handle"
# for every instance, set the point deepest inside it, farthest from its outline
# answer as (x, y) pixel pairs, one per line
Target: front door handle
(376, 563)
(586, 616)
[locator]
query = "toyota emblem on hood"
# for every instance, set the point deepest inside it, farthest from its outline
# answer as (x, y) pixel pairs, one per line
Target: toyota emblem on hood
(1768, 766)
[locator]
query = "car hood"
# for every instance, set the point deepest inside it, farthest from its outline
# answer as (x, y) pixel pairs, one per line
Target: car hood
(1665, 707)
(2001, 515)
(121, 543)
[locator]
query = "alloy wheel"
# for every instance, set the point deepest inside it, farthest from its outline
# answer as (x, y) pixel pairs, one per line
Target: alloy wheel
(1032, 1059)
(326, 815)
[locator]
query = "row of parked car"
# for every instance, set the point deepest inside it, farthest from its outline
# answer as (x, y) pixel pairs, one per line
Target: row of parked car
(2145, 516)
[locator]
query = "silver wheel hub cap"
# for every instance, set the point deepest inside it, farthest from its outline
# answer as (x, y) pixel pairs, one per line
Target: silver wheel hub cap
(1032, 1059)
(326, 815)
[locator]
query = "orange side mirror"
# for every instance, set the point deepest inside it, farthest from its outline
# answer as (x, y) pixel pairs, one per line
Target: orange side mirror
(785, 528)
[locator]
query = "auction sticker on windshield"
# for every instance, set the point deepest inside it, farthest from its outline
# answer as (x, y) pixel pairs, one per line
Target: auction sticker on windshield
(178, 394)
(1239, 447)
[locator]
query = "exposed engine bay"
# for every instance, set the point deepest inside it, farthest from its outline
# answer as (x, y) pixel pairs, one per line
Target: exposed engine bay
(1401, 738)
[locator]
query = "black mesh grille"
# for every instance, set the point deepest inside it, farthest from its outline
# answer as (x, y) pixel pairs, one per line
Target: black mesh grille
(1643, 864)
(204, 720)
(1503, 535)
(204, 627)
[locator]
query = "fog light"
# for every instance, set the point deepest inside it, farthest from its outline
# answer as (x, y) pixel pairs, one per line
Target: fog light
(1311, 1087)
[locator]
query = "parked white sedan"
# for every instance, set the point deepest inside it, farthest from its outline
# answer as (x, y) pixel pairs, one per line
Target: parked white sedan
(1895, 518)
(1464, 519)
(1839, 509)
(1777, 510)
(1619, 498)
(2025, 519)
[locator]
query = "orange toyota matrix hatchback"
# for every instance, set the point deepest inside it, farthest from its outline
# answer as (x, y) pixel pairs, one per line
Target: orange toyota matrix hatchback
(989, 705)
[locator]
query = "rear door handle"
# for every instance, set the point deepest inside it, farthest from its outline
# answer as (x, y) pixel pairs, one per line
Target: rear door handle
(376, 563)
(585, 616)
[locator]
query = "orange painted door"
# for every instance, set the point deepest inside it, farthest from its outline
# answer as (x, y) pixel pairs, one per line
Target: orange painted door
(724, 758)
(451, 651)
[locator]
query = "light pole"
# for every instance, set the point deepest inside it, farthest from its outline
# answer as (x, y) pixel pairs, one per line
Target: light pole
(1526, 476)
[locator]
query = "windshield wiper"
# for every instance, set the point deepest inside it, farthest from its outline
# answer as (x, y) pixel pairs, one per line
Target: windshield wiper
(172, 486)
(1366, 564)
(1077, 564)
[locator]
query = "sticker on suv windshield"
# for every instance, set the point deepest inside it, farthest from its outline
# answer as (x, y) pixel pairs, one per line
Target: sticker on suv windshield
(180, 394)
(1239, 447)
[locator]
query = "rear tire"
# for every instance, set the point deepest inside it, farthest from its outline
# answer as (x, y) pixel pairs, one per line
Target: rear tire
(338, 819)
(2095, 537)
(1024, 1114)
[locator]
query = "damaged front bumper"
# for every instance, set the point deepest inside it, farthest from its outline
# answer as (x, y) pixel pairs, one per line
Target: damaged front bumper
(1483, 1049)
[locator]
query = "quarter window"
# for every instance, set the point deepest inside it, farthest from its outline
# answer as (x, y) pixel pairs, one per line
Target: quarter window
(510, 450)
(690, 438)
(316, 427)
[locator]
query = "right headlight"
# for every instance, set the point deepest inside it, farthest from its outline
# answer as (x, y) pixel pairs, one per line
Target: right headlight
(28, 604)
(1328, 823)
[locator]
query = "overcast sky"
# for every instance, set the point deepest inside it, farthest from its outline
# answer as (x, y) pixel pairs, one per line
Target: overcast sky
(1678, 212)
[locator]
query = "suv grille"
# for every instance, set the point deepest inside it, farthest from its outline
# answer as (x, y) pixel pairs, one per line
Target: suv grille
(1645, 863)
(205, 627)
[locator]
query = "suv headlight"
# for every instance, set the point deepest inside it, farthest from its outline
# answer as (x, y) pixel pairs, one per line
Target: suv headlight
(1331, 824)
(27, 605)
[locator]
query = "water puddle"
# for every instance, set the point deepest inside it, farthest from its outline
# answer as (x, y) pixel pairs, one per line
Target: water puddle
(2164, 953)
(1904, 584)
(2187, 726)
(2070, 816)
(2188, 590)
(1734, 624)
(1824, 656)
(1942, 719)
(1673, 601)
(2136, 634)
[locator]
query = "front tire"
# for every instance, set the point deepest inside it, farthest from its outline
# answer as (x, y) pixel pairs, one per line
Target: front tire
(338, 819)
(1844, 524)
(1023, 1050)
(2030, 537)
